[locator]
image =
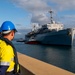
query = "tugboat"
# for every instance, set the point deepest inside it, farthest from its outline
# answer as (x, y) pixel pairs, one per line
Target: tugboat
(50, 34)
(20, 40)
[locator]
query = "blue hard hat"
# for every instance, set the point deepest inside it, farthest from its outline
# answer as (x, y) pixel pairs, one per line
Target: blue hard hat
(7, 26)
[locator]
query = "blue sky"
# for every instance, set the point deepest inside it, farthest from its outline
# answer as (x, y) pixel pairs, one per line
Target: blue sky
(24, 12)
(9, 11)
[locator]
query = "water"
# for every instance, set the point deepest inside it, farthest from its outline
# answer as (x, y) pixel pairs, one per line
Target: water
(60, 56)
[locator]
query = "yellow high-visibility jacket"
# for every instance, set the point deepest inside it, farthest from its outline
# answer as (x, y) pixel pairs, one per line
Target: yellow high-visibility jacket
(6, 56)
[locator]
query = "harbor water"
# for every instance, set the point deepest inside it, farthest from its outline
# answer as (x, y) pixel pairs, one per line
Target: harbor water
(60, 56)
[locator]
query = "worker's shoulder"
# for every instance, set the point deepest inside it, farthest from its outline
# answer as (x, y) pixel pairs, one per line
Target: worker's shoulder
(3, 44)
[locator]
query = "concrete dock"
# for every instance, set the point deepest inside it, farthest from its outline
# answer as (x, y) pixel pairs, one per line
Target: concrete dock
(32, 66)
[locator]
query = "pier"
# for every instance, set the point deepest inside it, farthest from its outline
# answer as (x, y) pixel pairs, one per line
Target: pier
(32, 66)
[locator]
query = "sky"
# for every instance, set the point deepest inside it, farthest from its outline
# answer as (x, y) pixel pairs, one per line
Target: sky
(25, 12)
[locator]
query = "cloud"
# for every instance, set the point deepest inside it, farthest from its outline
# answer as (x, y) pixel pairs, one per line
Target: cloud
(40, 18)
(32, 5)
(64, 4)
(19, 33)
(39, 8)
(44, 5)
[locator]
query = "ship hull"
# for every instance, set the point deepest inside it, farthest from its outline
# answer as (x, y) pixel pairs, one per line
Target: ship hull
(62, 37)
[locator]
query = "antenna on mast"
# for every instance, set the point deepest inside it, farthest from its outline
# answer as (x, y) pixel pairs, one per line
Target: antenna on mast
(51, 18)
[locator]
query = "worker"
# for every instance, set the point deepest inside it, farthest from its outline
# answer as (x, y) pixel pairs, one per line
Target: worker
(8, 57)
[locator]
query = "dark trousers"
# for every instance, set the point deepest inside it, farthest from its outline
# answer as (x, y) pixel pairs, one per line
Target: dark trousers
(9, 73)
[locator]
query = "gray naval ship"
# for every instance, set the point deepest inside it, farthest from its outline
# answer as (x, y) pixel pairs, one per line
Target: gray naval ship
(50, 34)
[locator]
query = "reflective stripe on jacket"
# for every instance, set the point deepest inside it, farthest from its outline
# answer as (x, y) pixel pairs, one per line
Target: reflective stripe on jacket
(6, 55)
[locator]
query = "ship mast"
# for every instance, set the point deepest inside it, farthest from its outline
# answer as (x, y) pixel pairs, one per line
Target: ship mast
(51, 18)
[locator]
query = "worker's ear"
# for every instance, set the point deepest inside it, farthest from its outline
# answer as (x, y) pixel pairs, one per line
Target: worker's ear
(12, 33)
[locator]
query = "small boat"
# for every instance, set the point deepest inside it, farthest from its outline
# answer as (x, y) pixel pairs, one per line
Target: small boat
(21, 40)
